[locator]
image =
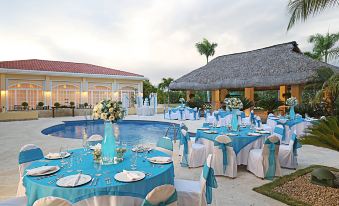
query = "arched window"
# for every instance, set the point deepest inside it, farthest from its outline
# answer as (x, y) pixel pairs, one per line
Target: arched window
(20, 91)
(96, 93)
(130, 91)
(65, 92)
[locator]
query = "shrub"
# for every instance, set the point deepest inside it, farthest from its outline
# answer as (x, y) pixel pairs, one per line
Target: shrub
(72, 104)
(24, 104)
(57, 104)
(85, 104)
(270, 104)
(40, 104)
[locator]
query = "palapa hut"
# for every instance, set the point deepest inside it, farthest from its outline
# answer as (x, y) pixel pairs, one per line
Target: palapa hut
(281, 67)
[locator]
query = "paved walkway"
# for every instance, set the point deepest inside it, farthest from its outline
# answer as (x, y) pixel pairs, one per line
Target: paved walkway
(236, 191)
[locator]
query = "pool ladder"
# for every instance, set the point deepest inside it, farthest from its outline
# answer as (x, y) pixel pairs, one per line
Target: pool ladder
(174, 132)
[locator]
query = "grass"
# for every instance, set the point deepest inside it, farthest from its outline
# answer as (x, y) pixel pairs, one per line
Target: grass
(267, 189)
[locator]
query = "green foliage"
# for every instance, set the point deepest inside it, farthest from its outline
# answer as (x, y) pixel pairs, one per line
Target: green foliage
(302, 9)
(313, 55)
(196, 102)
(206, 48)
(312, 110)
(324, 133)
(24, 104)
(57, 104)
(85, 104)
(324, 46)
(40, 104)
(72, 104)
(269, 104)
(246, 103)
(148, 88)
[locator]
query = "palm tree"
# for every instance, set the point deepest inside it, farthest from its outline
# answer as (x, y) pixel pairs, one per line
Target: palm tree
(300, 10)
(329, 93)
(164, 85)
(206, 48)
(324, 45)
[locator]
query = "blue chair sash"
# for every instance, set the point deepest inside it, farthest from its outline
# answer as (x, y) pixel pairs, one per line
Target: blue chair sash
(258, 122)
(252, 118)
(223, 148)
(184, 162)
(206, 125)
(280, 131)
(270, 173)
(169, 201)
(30, 155)
(216, 115)
(165, 143)
(181, 113)
(296, 144)
(211, 182)
(242, 114)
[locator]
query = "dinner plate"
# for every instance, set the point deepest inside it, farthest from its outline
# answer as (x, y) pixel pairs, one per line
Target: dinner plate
(153, 160)
(122, 176)
(211, 132)
(140, 150)
(57, 157)
(203, 128)
(253, 134)
(65, 181)
(232, 134)
(264, 132)
(57, 168)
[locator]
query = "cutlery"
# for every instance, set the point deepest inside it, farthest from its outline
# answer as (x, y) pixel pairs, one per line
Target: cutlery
(92, 181)
(78, 178)
(96, 181)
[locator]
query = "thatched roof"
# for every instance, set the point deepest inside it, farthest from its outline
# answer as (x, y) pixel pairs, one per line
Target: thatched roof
(281, 64)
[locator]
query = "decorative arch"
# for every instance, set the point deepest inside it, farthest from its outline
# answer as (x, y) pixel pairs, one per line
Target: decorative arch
(98, 92)
(66, 92)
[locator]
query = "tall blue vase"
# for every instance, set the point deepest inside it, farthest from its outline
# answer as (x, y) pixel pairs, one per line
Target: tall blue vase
(108, 145)
(234, 121)
(292, 113)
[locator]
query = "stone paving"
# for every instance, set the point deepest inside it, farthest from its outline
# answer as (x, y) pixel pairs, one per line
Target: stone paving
(236, 191)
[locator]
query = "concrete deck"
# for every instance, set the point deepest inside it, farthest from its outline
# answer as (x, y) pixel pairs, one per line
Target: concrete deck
(236, 191)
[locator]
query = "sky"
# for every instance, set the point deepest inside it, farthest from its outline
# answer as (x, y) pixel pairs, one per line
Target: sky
(155, 38)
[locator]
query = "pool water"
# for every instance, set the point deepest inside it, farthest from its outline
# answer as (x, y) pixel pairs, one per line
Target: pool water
(131, 131)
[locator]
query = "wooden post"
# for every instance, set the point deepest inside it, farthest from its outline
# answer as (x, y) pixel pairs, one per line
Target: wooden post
(296, 91)
(282, 97)
(223, 93)
(3, 92)
(249, 94)
(188, 93)
(215, 99)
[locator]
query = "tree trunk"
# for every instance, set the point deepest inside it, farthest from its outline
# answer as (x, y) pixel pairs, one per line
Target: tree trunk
(207, 59)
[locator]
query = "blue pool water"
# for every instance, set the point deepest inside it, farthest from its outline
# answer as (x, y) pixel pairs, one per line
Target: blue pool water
(131, 131)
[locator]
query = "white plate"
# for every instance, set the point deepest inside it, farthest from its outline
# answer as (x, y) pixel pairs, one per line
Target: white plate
(231, 134)
(57, 168)
(253, 134)
(59, 157)
(140, 150)
(274, 118)
(264, 132)
(151, 159)
(122, 177)
(203, 128)
(83, 180)
(211, 132)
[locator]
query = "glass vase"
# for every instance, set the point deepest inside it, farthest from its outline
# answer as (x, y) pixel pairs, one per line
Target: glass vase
(108, 145)
(292, 113)
(234, 121)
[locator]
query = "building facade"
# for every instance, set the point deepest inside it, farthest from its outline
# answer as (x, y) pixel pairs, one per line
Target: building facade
(35, 81)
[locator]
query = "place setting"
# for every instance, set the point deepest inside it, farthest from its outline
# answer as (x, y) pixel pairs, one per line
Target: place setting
(74, 180)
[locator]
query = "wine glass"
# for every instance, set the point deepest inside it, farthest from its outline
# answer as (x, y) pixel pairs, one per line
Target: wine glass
(134, 158)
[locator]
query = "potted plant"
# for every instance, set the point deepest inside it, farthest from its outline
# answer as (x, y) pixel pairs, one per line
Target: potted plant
(40, 105)
(57, 104)
(72, 104)
(25, 105)
(85, 104)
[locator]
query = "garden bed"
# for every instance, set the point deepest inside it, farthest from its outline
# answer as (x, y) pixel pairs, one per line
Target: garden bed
(296, 189)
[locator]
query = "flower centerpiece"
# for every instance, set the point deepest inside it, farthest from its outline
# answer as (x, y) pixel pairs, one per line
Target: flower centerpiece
(292, 102)
(120, 154)
(234, 104)
(182, 101)
(109, 111)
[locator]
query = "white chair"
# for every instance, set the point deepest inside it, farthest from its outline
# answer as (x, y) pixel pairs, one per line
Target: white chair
(197, 193)
(52, 201)
(16, 201)
(288, 153)
(223, 149)
(28, 154)
(264, 163)
(192, 154)
(259, 124)
(279, 131)
(165, 145)
(161, 195)
(94, 139)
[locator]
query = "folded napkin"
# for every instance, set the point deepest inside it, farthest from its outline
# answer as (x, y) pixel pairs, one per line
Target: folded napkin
(253, 134)
(70, 181)
(41, 170)
(131, 175)
(53, 155)
(264, 132)
(160, 159)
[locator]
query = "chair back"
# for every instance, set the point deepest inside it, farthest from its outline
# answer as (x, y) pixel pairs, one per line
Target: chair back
(165, 145)
(30, 153)
(207, 180)
(223, 139)
(52, 201)
(161, 196)
(279, 131)
(270, 154)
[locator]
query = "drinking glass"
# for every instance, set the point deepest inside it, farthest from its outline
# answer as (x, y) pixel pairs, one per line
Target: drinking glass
(97, 167)
(134, 158)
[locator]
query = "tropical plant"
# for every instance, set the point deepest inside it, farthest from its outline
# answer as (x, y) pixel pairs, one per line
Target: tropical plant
(246, 103)
(57, 104)
(40, 104)
(164, 86)
(322, 75)
(300, 10)
(72, 104)
(269, 104)
(324, 133)
(148, 88)
(324, 46)
(24, 104)
(85, 104)
(329, 93)
(313, 55)
(206, 48)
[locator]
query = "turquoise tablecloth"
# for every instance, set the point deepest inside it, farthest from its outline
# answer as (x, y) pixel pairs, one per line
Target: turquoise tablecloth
(36, 189)
(238, 142)
(288, 122)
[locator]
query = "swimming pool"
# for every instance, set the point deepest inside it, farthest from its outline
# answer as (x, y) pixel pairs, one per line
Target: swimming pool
(131, 131)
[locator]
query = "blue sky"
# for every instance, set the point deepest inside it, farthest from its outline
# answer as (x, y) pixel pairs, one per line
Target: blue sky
(151, 37)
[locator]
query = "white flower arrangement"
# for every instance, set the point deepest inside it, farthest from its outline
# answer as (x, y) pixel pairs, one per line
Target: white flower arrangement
(182, 100)
(108, 110)
(292, 101)
(233, 103)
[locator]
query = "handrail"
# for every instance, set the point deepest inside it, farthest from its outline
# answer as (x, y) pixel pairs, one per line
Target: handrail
(174, 132)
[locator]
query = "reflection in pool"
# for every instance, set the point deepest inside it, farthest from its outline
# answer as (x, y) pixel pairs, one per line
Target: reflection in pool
(131, 131)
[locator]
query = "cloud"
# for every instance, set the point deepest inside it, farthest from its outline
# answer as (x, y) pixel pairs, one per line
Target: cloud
(151, 37)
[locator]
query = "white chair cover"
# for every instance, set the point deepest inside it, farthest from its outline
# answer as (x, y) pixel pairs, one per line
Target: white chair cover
(16, 201)
(288, 154)
(278, 131)
(23, 164)
(52, 201)
(258, 160)
(196, 152)
(192, 192)
(104, 200)
(161, 194)
(217, 161)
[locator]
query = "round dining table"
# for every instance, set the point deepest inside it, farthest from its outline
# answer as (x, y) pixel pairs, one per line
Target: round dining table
(104, 183)
(242, 142)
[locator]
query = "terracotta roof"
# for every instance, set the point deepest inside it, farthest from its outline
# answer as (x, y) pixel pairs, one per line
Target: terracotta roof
(59, 66)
